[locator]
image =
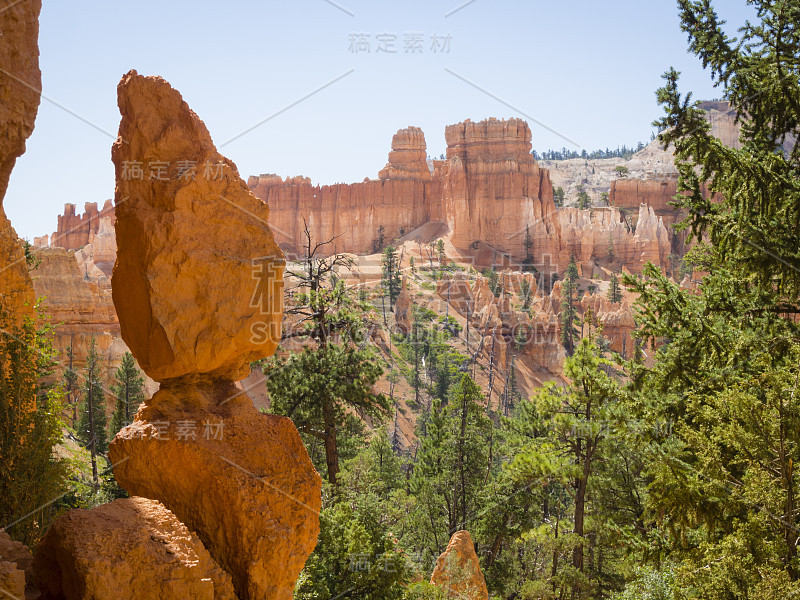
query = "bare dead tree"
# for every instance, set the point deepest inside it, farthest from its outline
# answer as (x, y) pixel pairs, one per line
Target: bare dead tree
(313, 277)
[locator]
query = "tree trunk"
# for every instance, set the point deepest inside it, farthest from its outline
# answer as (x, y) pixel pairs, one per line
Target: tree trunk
(461, 441)
(331, 450)
(92, 445)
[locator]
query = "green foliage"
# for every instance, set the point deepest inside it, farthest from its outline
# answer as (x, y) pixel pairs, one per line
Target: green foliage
(564, 154)
(621, 171)
(584, 201)
(450, 467)
(525, 293)
(569, 313)
(390, 279)
(528, 244)
(650, 584)
(558, 196)
(495, 284)
(614, 290)
(129, 392)
(31, 476)
(755, 224)
(71, 396)
(358, 555)
(92, 425)
(726, 386)
(318, 386)
(576, 442)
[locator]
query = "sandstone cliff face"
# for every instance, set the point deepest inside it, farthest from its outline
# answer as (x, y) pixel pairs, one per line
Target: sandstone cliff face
(19, 55)
(195, 312)
(402, 199)
(489, 189)
(80, 309)
(493, 189)
(130, 548)
(603, 234)
(458, 572)
(408, 159)
(75, 231)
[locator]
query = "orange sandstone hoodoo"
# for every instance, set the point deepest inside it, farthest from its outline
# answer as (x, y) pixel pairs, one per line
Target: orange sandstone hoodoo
(198, 287)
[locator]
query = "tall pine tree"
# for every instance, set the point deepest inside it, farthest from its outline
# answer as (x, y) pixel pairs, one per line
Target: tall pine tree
(93, 421)
(129, 392)
(569, 312)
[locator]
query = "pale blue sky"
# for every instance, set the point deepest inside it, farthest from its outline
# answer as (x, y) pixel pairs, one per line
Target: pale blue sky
(585, 69)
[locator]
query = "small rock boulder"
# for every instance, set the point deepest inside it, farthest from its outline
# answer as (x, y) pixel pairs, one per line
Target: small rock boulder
(132, 548)
(458, 571)
(12, 581)
(18, 553)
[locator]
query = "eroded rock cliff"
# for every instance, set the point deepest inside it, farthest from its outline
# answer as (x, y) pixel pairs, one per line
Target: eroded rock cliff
(357, 215)
(20, 89)
(494, 191)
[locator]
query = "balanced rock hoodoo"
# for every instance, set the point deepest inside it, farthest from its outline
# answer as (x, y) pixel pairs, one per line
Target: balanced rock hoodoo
(198, 287)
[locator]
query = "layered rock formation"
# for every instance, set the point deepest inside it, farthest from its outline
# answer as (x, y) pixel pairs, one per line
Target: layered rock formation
(615, 319)
(75, 231)
(457, 570)
(356, 215)
(408, 159)
(12, 580)
(130, 548)
(490, 189)
(198, 287)
(493, 189)
(20, 90)
(531, 337)
(604, 234)
(80, 309)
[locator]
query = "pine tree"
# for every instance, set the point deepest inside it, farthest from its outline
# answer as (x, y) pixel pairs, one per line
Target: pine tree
(440, 254)
(569, 313)
(584, 200)
(92, 425)
(129, 392)
(528, 244)
(558, 196)
(390, 279)
(574, 430)
(614, 290)
(71, 386)
(526, 293)
(451, 464)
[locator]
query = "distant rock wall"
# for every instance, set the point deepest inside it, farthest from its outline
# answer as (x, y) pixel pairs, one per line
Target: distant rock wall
(75, 231)
(402, 199)
(493, 189)
(489, 189)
